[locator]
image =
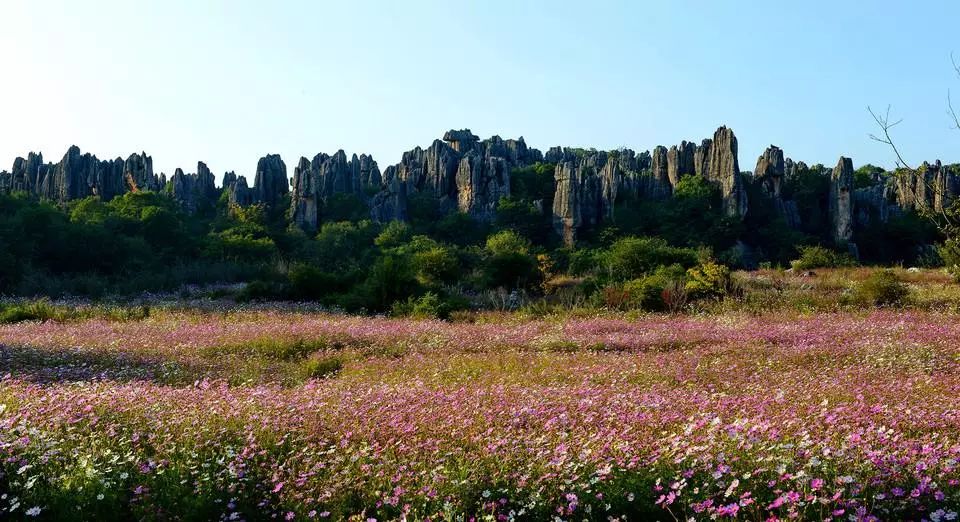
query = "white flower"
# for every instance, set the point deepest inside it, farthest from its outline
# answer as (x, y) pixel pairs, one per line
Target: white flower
(100, 496)
(34, 511)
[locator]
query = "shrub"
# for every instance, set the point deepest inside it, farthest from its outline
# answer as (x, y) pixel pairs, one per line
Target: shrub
(427, 306)
(270, 348)
(322, 367)
(950, 254)
(510, 263)
(436, 265)
(40, 310)
(633, 257)
(709, 279)
(390, 279)
(310, 282)
(883, 288)
(819, 257)
(260, 289)
(396, 233)
(650, 292)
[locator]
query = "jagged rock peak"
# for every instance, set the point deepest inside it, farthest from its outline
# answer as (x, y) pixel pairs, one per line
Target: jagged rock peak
(138, 173)
(195, 191)
(841, 201)
(725, 171)
(314, 181)
(680, 161)
(270, 183)
(585, 192)
(460, 140)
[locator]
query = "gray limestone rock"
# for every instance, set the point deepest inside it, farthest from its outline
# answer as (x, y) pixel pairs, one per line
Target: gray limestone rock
(841, 201)
(725, 171)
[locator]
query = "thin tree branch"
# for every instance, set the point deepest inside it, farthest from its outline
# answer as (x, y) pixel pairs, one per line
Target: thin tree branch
(950, 110)
(885, 125)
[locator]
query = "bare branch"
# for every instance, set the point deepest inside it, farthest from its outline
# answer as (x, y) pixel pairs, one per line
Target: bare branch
(884, 123)
(950, 109)
(952, 112)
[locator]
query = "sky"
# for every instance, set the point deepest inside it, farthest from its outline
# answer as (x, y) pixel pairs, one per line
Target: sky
(226, 82)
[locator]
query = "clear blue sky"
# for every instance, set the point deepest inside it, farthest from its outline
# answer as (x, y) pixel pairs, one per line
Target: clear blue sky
(228, 81)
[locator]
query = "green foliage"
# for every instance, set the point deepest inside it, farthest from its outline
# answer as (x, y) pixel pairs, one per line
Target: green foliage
(819, 257)
(634, 257)
(810, 188)
(427, 306)
(396, 233)
(436, 265)
(708, 279)
(269, 347)
(900, 240)
(40, 310)
(533, 183)
(866, 176)
(344, 207)
(459, 229)
(883, 288)
(510, 263)
(392, 278)
(653, 291)
(344, 245)
(310, 282)
(694, 190)
(524, 218)
(950, 253)
(693, 217)
(323, 367)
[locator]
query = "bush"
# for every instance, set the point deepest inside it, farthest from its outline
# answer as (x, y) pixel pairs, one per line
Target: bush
(322, 367)
(883, 288)
(260, 289)
(819, 257)
(634, 257)
(310, 282)
(33, 311)
(390, 279)
(950, 254)
(709, 279)
(270, 348)
(510, 262)
(654, 291)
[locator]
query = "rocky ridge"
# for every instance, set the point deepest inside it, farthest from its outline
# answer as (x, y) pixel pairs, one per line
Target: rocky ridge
(462, 173)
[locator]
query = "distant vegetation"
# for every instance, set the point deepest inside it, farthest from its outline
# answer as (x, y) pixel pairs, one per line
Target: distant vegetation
(656, 255)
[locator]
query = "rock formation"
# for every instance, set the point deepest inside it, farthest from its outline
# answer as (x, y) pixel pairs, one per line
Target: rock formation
(462, 173)
(271, 183)
(659, 165)
(725, 171)
(841, 201)
(481, 181)
(138, 174)
(585, 194)
(239, 192)
(325, 176)
(771, 174)
(930, 187)
(194, 191)
(701, 158)
(681, 161)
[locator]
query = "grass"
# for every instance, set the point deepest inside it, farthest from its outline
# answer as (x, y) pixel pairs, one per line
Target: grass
(823, 403)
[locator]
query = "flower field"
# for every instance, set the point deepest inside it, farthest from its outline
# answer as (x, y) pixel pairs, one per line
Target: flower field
(253, 415)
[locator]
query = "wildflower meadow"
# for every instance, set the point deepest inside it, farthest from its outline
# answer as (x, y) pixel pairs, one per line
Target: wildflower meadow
(270, 415)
